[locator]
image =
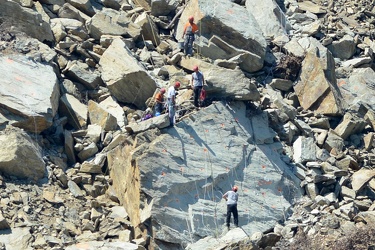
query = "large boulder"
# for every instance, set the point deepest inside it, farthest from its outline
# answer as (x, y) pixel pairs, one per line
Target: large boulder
(98, 115)
(126, 78)
(359, 87)
(29, 94)
(76, 111)
(271, 19)
(25, 20)
(163, 7)
(222, 82)
(112, 107)
(344, 48)
(81, 72)
(350, 124)
(20, 155)
(112, 22)
(316, 87)
(229, 21)
(216, 48)
(149, 30)
(202, 157)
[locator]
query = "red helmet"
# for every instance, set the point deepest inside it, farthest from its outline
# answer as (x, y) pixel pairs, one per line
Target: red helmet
(195, 68)
(235, 188)
(191, 19)
(162, 90)
(177, 84)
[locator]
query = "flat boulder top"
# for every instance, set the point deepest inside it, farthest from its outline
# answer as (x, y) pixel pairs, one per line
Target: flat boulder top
(29, 93)
(27, 85)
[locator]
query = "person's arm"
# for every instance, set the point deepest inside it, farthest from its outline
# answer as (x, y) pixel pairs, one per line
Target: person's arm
(183, 34)
(195, 31)
(192, 81)
(202, 80)
(225, 196)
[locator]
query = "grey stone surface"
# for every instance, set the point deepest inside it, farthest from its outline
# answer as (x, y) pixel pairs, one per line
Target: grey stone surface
(112, 22)
(81, 72)
(124, 76)
(20, 156)
(256, 168)
(74, 110)
(316, 87)
(29, 93)
(26, 20)
(214, 19)
(219, 81)
(271, 19)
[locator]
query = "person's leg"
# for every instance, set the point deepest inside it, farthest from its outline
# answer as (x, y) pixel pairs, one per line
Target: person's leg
(196, 96)
(190, 47)
(229, 212)
(171, 113)
(158, 107)
(235, 215)
(186, 46)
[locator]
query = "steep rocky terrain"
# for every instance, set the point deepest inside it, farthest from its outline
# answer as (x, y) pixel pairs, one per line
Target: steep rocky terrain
(289, 118)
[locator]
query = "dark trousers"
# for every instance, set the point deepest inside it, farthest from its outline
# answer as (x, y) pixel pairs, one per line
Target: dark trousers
(197, 94)
(232, 209)
(159, 107)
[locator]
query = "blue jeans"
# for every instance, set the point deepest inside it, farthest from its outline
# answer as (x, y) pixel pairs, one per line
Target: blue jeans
(188, 45)
(171, 112)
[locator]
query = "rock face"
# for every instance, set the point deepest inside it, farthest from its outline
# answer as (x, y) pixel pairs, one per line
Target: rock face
(124, 75)
(28, 94)
(289, 117)
(21, 156)
(184, 188)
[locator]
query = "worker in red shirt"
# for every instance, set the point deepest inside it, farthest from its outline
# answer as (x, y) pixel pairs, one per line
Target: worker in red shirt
(190, 29)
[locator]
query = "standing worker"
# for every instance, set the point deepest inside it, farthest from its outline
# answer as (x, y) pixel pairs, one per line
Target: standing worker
(172, 102)
(190, 29)
(232, 197)
(159, 100)
(197, 82)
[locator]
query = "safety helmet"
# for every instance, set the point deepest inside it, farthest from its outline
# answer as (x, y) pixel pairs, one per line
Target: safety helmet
(191, 19)
(235, 188)
(195, 68)
(162, 90)
(177, 84)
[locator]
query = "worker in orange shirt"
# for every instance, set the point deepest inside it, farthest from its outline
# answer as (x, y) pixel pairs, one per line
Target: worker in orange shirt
(190, 29)
(159, 102)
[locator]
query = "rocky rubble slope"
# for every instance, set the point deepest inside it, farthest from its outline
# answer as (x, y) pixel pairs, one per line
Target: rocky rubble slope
(289, 119)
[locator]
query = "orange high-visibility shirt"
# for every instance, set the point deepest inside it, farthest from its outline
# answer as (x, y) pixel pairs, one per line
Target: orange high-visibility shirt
(159, 98)
(194, 27)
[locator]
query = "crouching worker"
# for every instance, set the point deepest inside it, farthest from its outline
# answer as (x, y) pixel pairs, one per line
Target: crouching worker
(159, 102)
